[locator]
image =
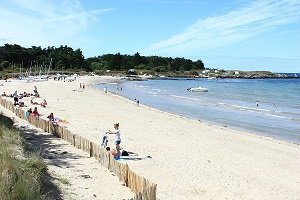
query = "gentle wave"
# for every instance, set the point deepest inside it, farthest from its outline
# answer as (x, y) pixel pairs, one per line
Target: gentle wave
(141, 86)
(158, 90)
(181, 97)
(246, 108)
(151, 92)
(258, 110)
(278, 116)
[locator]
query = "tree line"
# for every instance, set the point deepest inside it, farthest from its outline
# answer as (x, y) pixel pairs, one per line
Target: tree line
(66, 58)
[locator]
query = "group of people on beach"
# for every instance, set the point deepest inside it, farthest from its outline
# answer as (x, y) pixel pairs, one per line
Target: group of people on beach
(18, 98)
(33, 112)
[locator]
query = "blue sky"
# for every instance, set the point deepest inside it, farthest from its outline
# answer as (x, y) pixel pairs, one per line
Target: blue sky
(224, 34)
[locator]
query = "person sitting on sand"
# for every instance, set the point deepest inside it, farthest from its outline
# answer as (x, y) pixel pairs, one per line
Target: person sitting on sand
(21, 102)
(4, 94)
(51, 117)
(44, 103)
(35, 112)
(113, 152)
(116, 132)
(33, 102)
(36, 94)
(25, 94)
(27, 113)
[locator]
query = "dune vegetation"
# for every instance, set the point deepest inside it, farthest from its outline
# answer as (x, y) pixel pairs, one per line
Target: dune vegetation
(21, 171)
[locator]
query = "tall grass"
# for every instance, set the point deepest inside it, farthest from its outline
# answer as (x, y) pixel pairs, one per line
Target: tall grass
(20, 174)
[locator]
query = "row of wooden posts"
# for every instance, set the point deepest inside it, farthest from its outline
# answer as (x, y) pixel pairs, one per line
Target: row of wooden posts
(142, 188)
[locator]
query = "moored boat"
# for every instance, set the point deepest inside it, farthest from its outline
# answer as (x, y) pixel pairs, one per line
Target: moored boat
(198, 89)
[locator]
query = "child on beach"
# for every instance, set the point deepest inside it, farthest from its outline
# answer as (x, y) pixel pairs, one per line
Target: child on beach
(27, 113)
(104, 140)
(29, 110)
(115, 153)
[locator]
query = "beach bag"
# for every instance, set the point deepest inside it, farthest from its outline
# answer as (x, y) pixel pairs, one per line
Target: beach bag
(125, 153)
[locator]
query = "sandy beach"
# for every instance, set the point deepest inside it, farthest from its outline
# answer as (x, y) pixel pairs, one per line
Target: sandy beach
(73, 171)
(189, 159)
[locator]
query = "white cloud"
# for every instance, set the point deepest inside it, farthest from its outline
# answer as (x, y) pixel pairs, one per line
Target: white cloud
(235, 26)
(45, 22)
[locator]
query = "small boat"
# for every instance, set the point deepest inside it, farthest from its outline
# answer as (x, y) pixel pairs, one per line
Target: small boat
(211, 78)
(198, 89)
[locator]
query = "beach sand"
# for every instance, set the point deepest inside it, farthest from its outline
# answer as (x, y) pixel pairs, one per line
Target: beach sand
(189, 159)
(74, 172)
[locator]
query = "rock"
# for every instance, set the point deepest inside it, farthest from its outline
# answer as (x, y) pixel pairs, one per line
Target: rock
(85, 176)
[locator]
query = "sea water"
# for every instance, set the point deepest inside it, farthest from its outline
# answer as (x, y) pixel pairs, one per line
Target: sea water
(228, 102)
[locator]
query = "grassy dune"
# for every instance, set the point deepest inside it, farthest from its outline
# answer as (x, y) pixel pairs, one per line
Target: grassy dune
(21, 171)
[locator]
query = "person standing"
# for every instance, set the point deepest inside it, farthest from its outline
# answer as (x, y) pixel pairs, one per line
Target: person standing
(16, 99)
(117, 134)
(35, 89)
(257, 103)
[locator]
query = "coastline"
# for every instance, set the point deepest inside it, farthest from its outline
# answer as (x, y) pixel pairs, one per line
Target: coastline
(205, 122)
(268, 130)
(190, 159)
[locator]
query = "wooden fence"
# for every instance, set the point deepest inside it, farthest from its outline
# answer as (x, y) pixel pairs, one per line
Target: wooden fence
(143, 189)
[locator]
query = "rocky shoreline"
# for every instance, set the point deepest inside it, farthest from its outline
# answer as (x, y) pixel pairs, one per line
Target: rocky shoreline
(213, 74)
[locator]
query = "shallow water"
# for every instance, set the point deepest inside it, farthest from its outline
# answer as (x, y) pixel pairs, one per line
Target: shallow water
(230, 102)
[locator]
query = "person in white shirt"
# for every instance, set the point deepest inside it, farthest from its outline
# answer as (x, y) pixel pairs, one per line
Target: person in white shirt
(117, 134)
